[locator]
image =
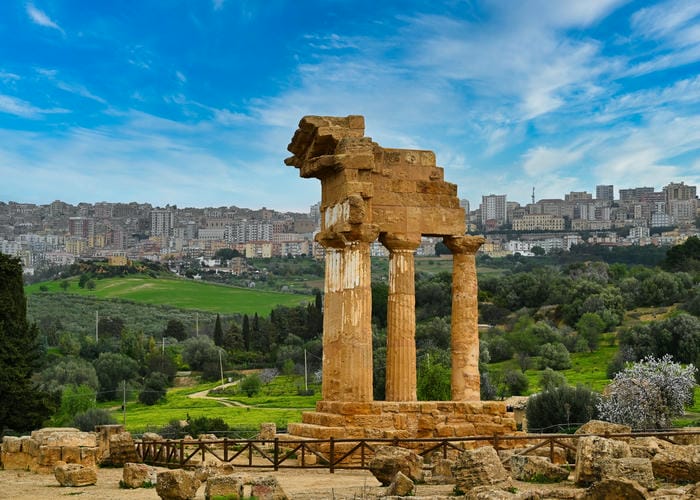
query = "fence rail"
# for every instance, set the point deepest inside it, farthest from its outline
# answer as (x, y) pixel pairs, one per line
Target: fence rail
(335, 454)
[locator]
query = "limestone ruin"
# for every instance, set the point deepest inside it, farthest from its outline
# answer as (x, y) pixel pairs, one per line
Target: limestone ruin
(395, 195)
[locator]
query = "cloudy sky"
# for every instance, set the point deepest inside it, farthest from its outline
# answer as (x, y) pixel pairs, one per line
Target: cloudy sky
(194, 102)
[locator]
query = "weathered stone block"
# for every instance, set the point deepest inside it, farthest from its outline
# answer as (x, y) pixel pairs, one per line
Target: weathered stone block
(11, 444)
(479, 467)
(224, 486)
(637, 469)
(616, 489)
(268, 431)
(49, 455)
(401, 486)
(533, 468)
(592, 454)
(176, 485)
(266, 488)
(391, 459)
(138, 475)
(74, 475)
(678, 463)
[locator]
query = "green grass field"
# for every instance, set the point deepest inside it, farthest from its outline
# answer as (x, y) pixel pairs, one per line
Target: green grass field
(180, 293)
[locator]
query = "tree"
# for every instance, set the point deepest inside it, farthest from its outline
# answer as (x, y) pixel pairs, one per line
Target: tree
(74, 400)
(175, 329)
(154, 388)
(246, 332)
(538, 250)
(516, 382)
(24, 406)
(648, 394)
(590, 326)
(560, 406)
(685, 257)
(197, 351)
(434, 379)
(233, 339)
(554, 356)
(112, 370)
(251, 385)
(87, 420)
(218, 332)
(66, 372)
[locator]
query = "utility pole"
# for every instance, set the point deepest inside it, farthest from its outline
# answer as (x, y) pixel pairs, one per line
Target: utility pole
(306, 375)
(221, 368)
(124, 405)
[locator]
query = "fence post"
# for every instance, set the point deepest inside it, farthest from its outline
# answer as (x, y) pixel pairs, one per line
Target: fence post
(332, 456)
(551, 450)
(276, 453)
(182, 452)
(495, 441)
(225, 449)
(202, 447)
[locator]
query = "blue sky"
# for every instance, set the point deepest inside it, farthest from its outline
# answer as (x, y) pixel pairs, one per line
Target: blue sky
(194, 102)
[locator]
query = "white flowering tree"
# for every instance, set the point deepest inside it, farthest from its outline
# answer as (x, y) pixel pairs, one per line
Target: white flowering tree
(649, 393)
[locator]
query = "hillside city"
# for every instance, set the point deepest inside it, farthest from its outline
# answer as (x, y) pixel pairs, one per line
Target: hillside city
(58, 233)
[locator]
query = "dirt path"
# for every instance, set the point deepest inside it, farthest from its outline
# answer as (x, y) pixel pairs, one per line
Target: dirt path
(226, 402)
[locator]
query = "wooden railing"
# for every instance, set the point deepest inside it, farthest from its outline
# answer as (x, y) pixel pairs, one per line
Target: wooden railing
(335, 454)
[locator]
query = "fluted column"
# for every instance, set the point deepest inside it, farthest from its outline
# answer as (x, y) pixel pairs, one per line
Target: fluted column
(465, 317)
(347, 316)
(401, 318)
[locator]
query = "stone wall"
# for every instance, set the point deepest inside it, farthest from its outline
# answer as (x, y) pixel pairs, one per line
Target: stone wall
(40, 451)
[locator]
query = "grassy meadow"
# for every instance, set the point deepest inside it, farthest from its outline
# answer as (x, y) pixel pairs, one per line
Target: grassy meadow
(179, 293)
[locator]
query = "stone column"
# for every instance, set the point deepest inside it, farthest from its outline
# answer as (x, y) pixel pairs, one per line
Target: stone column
(465, 317)
(347, 318)
(401, 318)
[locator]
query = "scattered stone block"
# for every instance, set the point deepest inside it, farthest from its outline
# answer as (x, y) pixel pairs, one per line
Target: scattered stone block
(138, 475)
(536, 469)
(266, 488)
(121, 449)
(616, 489)
(401, 486)
(479, 467)
(591, 455)
(442, 471)
(601, 428)
(225, 486)
(391, 459)
(74, 475)
(268, 431)
(678, 464)
(176, 485)
(637, 469)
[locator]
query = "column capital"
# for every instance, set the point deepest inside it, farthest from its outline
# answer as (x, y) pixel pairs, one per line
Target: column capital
(400, 241)
(464, 244)
(361, 233)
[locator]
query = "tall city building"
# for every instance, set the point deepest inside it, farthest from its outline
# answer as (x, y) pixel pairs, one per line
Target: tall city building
(162, 222)
(81, 227)
(605, 192)
(494, 209)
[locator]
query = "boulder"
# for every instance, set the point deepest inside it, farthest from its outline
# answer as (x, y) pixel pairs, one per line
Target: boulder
(537, 469)
(647, 447)
(591, 455)
(138, 475)
(176, 485)
(678, 464)
(227, 486)
(391, 459)
(616, 489)
(268, 431)
(74, 474)
(151, 436)
(401, 486)
(266, 488)
(602, 428)
(479, 467)
(442, 471)
(637, 469)
(489, 493)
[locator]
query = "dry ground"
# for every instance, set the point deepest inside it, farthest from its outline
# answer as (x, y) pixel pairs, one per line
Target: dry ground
(298, 484)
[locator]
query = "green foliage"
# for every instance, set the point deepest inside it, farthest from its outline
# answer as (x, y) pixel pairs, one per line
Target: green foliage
(74, 400)
(560, 407)
(590, 325)
(685, 257)
(678, 336)
(68, 371)
(434, 378)
(516, 382)
(24, 406)
(175, 329)
(554, 356)
(87, 420)
(154, 388)
(197, 351)
(251, 385)
(550, 380)
(112, 370)
(218, 332)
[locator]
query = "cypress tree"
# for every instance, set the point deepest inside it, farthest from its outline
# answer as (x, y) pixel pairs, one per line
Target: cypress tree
(218, 332)
(23, 406)
(246, 332)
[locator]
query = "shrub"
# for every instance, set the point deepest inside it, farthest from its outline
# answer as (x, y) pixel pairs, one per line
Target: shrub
(516, 382)
(561, 407)
(154, 388)
(251, 385)
(87, 420)
(648, 394)
(554, 356)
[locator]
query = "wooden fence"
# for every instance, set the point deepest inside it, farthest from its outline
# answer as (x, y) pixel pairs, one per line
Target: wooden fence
(349, 453)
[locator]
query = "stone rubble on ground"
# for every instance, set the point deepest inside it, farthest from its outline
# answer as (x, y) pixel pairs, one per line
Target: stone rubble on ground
(136, 475)
(74, 475)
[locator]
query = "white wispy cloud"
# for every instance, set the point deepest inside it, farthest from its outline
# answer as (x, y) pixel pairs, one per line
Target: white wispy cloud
(41, 18)
(19, 107)
(218, 4)
(541, 160)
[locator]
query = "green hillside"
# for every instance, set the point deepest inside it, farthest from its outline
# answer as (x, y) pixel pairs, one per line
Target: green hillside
(178, 293)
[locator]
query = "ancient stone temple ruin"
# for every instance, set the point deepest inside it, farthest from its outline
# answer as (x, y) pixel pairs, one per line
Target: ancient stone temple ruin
(395, 195)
